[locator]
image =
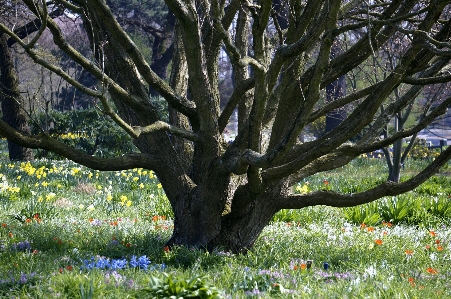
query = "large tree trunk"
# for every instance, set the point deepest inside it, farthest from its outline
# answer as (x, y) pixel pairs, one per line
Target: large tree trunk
(12, 108)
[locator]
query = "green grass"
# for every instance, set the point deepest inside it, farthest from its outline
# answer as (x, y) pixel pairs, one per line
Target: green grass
(55, 215)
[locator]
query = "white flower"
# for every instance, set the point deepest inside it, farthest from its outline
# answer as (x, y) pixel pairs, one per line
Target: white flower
(371, 271)
(91, 208)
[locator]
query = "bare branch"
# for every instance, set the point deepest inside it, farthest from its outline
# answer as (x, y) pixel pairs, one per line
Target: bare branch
(45, 142)
(233, 102)
(335, 199)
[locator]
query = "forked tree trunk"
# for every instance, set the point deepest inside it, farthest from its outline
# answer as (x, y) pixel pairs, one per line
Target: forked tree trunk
(201, 223)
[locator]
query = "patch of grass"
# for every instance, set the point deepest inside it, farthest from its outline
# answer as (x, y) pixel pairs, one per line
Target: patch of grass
(70, 214)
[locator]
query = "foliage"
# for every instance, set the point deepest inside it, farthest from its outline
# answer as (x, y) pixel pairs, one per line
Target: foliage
(368, 214)
(87, 130)
(395, 209)
(173, 286)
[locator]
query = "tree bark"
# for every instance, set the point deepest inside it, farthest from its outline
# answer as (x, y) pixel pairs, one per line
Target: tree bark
(12, 104)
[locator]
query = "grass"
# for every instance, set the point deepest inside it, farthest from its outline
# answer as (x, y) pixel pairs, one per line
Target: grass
(70, 232)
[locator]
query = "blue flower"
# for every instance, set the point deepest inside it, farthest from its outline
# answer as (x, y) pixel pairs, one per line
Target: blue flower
(119, 264)
(143, 262)
(103, 263)
(134, 262)
(22, 246)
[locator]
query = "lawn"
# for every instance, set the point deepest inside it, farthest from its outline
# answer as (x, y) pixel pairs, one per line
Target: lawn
(70, 232)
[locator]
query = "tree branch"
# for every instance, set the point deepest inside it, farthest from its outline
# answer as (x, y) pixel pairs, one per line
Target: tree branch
(182, 105)
(45, 142)
(335, 199)
(234, 99)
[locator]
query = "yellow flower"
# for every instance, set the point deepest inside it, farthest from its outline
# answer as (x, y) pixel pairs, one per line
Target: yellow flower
(159, 186)
(19, 177)
(123, 198)
(50, 196)
(45, 184)
(129, 203)
(91, 208)
(90, 175)
(141, 185)
(303, 189)
(81, 206)
(75, 171)
(109, 197)
(40, 199)
(135, 178)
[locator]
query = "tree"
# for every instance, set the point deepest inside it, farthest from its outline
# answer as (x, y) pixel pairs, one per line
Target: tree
(223, 194)
(10, 97)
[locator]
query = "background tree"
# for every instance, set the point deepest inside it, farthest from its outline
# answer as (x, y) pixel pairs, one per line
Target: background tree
(12, 102)
(223, 194)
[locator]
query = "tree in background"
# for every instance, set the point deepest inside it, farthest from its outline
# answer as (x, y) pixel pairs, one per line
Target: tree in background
(12, 104)
(10, 96)
(223, 194)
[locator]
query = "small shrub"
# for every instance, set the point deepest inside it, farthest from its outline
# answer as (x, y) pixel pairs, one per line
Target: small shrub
(396, 209)
(171, 286)
(367, 213)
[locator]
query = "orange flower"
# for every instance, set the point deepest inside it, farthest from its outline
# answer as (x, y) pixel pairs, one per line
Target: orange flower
(303, 266)
(387, 224)
(437, 241)
(60, 270)
(69, 268)
(166, 248)
(378, 242)
(4, 225)
(384, 233)
(370, 229)
(362, 225)
(432, 233)
(326, 182)
(428, 247)
(10, 234)
(412, 281)
(128, 244)
(35, 251)
(439, 248)
(409, 252)
(28, 220)
(295, 267)
(431, 270)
